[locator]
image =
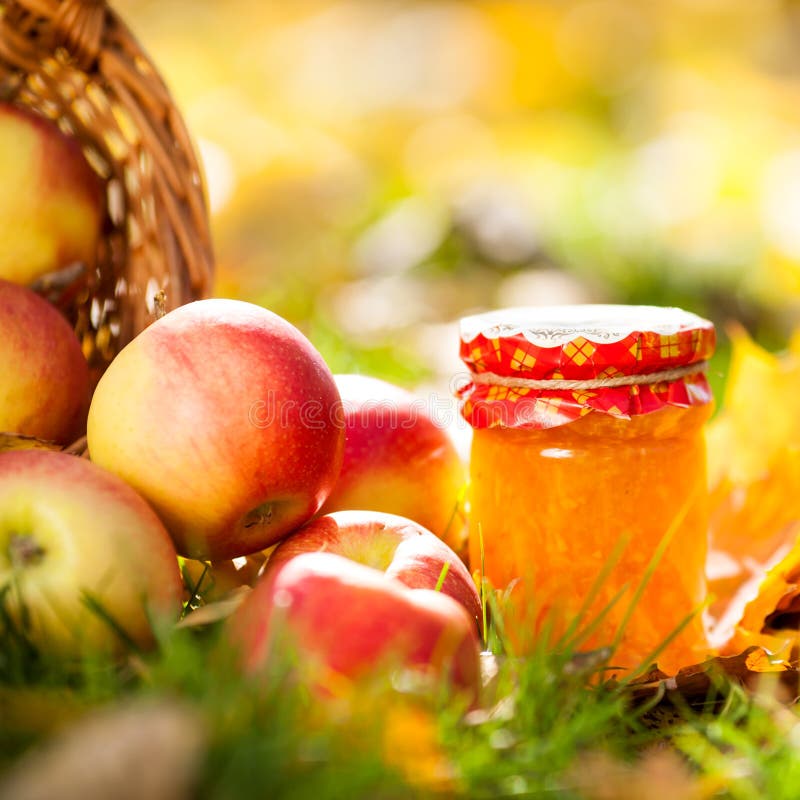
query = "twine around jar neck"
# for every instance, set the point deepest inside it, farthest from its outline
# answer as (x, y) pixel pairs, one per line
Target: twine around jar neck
(649, 378)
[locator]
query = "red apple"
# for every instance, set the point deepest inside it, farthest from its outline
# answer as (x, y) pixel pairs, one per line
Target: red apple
(51, 203)
(44, 378)
(72, 534)
(226, 419)
(345, 620)
(397, 459)
(395, 545)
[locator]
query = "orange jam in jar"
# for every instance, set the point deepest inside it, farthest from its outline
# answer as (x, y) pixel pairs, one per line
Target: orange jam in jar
(588, 496)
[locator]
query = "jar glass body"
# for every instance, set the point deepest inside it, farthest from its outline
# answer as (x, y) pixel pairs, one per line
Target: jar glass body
(550, 509)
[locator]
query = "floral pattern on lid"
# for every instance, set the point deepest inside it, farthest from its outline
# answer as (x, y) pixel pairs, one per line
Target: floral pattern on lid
(506, 349)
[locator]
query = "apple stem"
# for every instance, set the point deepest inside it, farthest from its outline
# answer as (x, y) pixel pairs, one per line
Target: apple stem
(24, 550)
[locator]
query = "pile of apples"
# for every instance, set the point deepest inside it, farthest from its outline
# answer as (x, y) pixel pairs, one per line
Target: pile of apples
(218, 433)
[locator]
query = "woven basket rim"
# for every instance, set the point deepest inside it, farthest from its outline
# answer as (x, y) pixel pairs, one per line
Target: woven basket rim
(76, 63)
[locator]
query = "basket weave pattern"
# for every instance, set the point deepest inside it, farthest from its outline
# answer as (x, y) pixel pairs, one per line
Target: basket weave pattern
(76, 63)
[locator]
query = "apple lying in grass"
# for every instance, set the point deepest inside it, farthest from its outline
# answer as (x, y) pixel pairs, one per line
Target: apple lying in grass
(224, 417)
(343, 620)
(82, 555)
(397, 459)
(44, 378)
(395, 545)
(51, 203)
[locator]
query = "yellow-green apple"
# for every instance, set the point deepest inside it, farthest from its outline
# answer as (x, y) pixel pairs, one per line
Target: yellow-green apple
(51, 204)
(44, 378)
(82, 557)
(227, 420)
(395, 545)
(344, 620)
(397, 459)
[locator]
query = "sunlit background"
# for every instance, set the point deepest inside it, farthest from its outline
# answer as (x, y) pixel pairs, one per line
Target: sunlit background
(378, 168)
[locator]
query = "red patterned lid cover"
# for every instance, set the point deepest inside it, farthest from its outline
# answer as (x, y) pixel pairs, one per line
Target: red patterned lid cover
(541, 367)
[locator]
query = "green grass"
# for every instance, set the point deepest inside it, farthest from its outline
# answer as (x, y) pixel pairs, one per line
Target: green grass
(538, 730)
(542, 723)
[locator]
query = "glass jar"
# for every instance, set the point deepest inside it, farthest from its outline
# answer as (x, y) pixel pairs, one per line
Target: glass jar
(588, 490)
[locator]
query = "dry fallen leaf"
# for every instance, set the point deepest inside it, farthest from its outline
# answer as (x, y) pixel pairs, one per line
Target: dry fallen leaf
(754, 477)
(771, 614)
(692, 683)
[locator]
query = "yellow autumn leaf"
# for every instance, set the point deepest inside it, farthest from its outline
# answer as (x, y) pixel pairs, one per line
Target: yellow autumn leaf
(754, 473)
(770, 615)
(758, 422)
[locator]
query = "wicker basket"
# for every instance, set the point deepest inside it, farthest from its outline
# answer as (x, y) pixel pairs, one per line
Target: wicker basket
(76, 63)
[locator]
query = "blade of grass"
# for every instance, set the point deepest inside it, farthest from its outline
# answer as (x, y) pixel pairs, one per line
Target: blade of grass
(498, 625)
(95, 605)
(612, 560)
(658, 554)
(442, 576)
(19, 657)
(653, 655)
(585, 633)
(194, 591)
(456, 512)
(483, 587)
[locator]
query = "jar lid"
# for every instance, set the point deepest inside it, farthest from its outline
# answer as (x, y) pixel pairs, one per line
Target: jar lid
(568, 361)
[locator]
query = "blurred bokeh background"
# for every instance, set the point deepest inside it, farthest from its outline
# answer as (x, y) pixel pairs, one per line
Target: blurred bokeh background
(377, 168)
